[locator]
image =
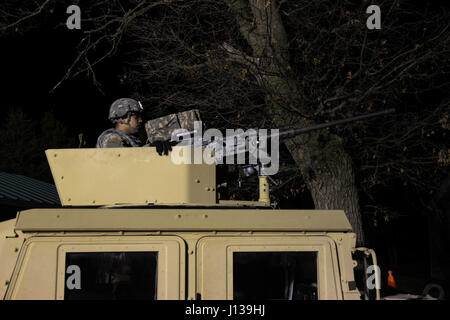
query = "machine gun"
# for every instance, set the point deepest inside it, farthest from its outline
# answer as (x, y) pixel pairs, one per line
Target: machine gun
(186, 129)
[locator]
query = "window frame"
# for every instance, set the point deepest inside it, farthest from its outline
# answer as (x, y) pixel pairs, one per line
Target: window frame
(213, 251)
(171, 263)
(159, 249)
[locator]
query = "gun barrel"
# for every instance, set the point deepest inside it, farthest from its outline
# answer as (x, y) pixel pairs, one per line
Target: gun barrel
(295, 131)
(223, 148)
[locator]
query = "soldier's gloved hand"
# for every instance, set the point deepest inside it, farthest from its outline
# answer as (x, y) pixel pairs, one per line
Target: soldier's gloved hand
(162, 147)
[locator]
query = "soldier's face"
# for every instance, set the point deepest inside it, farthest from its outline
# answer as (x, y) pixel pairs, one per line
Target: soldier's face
(130, 127)
(135, 121)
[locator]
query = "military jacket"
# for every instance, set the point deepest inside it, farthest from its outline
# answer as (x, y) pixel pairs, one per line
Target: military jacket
(114, 138)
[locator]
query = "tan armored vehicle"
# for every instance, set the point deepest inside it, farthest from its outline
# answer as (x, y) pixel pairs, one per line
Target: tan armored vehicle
(136, 225)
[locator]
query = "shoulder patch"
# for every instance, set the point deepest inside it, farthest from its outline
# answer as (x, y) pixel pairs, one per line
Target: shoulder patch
(115, 139)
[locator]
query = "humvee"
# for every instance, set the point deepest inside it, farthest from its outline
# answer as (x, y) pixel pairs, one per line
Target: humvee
(135, 225)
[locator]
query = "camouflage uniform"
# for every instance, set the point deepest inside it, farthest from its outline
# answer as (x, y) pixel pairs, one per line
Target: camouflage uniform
(162, 128)
(114, 138)
(159, 131)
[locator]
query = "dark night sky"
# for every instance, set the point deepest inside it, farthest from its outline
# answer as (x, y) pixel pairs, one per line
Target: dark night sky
(32, 64)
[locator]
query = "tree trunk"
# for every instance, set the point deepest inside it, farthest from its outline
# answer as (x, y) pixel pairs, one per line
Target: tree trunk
(325, 166)
(328, 173)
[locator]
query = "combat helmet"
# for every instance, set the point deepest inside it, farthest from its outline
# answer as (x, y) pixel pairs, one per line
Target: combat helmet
(124, 107)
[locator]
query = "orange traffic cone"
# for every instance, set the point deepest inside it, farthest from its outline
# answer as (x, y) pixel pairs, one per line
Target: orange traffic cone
(391, 281)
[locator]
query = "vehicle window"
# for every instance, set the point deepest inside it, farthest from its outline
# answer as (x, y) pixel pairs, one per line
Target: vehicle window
(275, 275)
(111, 275)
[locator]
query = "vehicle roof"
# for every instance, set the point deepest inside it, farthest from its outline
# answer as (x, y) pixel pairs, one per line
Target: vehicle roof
(199, 219)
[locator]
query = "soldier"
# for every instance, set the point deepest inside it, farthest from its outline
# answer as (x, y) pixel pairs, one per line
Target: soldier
(126, 114)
